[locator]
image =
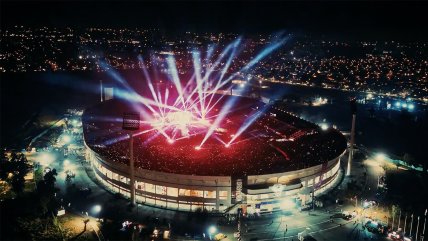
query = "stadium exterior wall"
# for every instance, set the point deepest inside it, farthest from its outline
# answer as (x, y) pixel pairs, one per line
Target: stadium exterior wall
(213, 193)
(296, 185)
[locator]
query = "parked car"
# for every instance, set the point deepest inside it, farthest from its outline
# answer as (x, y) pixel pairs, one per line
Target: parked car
(219, 236)
(305, 208)
(342, 215)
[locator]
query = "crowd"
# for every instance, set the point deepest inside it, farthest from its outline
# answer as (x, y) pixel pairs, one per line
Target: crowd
(265, 147)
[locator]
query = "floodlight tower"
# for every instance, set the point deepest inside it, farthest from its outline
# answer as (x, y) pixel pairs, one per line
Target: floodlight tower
(101, 89)
(351, 147)
(131, 122)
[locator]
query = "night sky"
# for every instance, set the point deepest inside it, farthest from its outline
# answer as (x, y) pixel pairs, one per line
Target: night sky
(363, 19)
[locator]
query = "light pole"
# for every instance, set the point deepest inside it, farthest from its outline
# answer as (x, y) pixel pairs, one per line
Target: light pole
(351, 146)
(101, 89)
(211, 231)
(131, 122)
(417, 230)
(405, 221)
(378, 180)
(425, 222)
(313, 199)
(393, 218)
(96, 211)
(399, 219)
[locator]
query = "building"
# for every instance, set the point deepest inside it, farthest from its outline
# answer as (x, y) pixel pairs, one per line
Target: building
(287, 160)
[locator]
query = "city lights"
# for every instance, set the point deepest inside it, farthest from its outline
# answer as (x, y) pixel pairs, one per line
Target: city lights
(66, 138)
(324, 126)
(212, 230)
(380, 157)
(96, 209)
(45, 158)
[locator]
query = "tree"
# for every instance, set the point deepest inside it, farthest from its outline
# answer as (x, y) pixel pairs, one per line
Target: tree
(46, 191)
(14, 170)
(395, 209)
(17, 184)
(50, 178)
(4, 167)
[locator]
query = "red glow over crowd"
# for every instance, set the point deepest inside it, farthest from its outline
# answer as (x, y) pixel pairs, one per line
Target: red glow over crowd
(276, 142)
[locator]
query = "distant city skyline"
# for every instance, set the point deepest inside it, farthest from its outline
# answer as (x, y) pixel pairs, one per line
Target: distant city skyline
(346, 19)
(391, 68)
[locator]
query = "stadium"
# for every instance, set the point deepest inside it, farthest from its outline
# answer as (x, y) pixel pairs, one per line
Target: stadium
(230, 151)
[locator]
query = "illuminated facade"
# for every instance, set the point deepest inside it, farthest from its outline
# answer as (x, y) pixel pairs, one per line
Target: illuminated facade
(213, 193)
(165, 190)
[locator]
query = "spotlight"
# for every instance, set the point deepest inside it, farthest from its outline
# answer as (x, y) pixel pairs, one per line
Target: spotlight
(380, 157)
(97, 208)
(170, 141)
(197, 148)
(212, 230)
(227, 145)
(324, 126)
(66, 138)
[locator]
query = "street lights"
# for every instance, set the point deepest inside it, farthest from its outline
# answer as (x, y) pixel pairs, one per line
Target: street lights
(425, 222)
(351, 146)
(97, 208)
(378, 180)
(393, 218)
(131, 122)
(211, 231)
(405, 222)
(380, 157)
(399, 219)
(417, 230)
(66, 139)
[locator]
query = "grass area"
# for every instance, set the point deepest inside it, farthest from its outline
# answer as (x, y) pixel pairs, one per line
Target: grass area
(74, 226)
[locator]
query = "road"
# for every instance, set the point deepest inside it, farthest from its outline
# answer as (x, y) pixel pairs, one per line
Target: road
(280, 226)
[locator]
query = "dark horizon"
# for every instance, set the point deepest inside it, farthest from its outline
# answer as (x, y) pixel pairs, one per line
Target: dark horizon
(344, 19)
